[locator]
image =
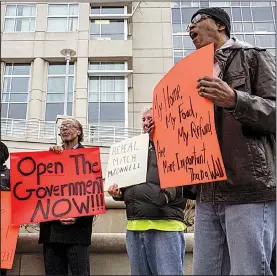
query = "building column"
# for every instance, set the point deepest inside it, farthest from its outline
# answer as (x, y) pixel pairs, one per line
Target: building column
(80, 111)
(37, 91)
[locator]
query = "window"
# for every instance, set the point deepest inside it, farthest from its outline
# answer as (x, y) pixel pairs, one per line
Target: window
(63, 17)
(15, 91)
(108, 23)
(251, 21)
(20, 18)
(107, 91)
(55, 98)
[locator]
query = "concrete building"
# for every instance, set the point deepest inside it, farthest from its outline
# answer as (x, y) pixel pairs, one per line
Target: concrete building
(121, 49)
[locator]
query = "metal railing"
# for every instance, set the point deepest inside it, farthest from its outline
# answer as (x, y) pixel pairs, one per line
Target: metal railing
(43, 130)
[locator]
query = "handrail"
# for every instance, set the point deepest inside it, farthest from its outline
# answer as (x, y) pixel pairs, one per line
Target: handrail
(46, 131)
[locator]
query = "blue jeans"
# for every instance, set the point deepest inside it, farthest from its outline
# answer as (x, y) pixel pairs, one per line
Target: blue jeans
(155, 252)
(234, 239)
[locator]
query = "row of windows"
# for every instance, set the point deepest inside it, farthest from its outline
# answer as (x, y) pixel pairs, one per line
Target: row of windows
(253, 22)
(222, 4)
(240, 14)
(106, 94)
(65, 17)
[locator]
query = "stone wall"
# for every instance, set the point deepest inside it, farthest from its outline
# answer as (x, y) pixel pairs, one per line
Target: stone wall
(108, 255)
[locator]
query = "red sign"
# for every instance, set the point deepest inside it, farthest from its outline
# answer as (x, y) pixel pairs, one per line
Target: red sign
(185, 137)
(9, 233)
(49, 186)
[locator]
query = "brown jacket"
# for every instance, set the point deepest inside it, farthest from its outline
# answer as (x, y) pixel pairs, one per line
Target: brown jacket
(247, 133)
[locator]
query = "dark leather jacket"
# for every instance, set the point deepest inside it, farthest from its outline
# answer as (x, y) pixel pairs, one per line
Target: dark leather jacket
(5, 178)
(247, 133)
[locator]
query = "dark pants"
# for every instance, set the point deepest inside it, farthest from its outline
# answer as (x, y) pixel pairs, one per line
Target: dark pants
(58, 256)
(3, 271)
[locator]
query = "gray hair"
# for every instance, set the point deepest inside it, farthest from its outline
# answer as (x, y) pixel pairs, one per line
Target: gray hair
(146, 109)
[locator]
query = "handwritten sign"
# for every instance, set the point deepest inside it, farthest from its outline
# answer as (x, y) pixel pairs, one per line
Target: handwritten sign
(127, 164)
(185, 137)
(9, 233)
(48, 186)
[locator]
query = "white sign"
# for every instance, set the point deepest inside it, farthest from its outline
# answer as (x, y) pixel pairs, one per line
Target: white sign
(127, 163)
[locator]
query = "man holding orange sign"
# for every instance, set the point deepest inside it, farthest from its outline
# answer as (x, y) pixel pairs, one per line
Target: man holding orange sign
(235, 220)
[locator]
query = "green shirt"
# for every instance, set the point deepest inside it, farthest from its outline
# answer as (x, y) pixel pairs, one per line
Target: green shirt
(161, 225)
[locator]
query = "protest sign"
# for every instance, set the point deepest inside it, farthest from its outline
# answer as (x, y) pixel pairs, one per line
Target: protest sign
(185, 137)
(49, 186)
(127, 164)
(9, 233)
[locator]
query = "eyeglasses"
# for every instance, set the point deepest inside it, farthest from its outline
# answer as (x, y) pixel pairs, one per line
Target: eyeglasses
(67, 126)
(198, 18)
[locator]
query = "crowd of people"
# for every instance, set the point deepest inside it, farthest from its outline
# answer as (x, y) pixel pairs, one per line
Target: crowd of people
(235, 220)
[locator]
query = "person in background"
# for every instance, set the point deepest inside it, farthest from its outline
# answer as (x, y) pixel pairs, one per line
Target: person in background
(155, 228)
(66, 241)
(235, 220)
(5, 176)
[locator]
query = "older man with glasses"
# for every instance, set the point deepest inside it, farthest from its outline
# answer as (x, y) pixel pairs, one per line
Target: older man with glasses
(65, 242)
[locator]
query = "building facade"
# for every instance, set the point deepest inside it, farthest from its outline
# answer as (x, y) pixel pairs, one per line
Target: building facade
(120, 50)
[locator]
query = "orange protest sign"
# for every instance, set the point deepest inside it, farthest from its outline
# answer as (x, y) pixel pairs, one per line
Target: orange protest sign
(9, 233)
(48, 186)
(185, 137)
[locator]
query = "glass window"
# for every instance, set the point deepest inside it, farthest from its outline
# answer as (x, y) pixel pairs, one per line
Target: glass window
(177, 28)
(20, 18)
(248, 27)
(246, 14)
(62, 17)
(188, 44)
(106, 95)
(265, 40)
(236, 14)
(177, 42)
(107, 29)
(235, 3)
(15, 90)
(204, 4)
(187, 13)
(190, 4)
(237, 27)
(262, 14)
(264, 27)
(250, 39)
(260, 4)
(176, 15)
(112, 10)
(55, 96)
(220, 4)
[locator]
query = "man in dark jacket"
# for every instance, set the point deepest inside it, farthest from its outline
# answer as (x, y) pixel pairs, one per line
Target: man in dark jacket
(5, 176)
(235, 220)
(155, 228)
(66, 241)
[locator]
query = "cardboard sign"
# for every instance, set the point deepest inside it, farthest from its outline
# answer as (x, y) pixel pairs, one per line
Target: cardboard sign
(9, 233)
(49, 186)
(185, 137)
(127, 163)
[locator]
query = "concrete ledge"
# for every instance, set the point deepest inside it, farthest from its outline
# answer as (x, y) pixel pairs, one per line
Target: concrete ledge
(100, 243)
(108, 255)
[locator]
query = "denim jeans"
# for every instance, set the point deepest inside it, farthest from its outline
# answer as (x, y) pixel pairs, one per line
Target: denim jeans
(234, 239)
(155, 252)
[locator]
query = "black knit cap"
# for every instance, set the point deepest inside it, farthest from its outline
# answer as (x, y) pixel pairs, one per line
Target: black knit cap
(218, 14)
